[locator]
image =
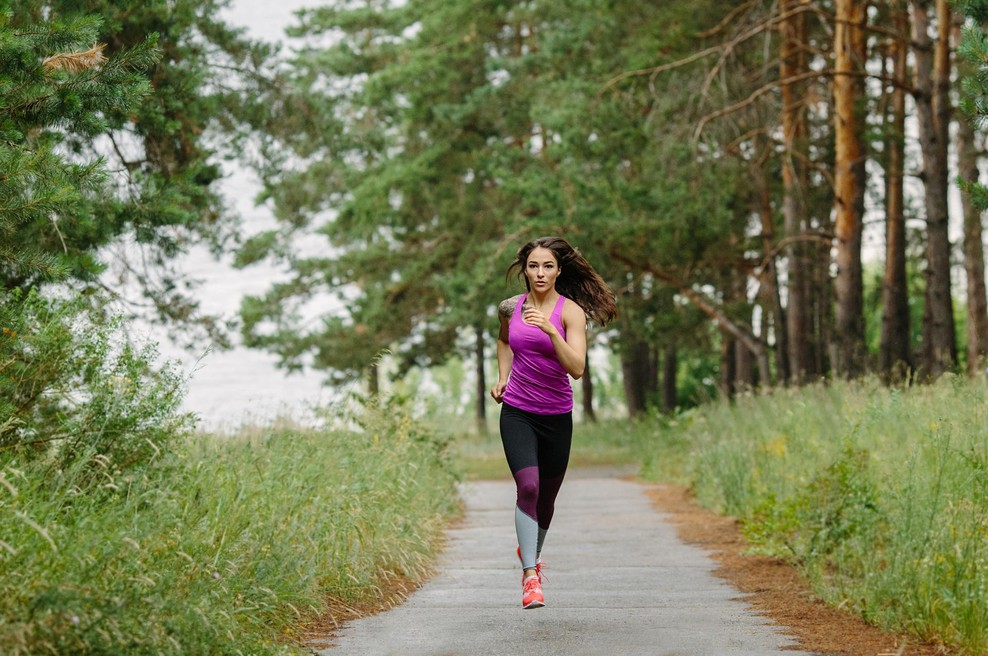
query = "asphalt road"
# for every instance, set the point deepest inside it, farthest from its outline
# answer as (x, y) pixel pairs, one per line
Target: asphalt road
(617, 581)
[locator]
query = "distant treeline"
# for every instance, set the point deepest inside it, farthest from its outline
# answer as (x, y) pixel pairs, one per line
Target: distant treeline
(717, 162)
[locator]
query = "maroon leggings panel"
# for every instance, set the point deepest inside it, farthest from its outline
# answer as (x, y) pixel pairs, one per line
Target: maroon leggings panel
(537, 449)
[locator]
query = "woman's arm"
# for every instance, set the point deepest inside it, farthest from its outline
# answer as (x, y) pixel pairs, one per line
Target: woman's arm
(504, 355)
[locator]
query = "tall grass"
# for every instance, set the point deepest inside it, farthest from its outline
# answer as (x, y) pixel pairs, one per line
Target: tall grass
(122, 532)
(880, 495)
(224, 546)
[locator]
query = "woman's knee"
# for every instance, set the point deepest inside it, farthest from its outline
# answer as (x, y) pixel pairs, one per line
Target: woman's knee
(527, 482)
(528, 491)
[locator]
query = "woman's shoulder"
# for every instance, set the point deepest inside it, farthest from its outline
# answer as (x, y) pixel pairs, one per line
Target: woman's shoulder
(572, 311)
(507, 307)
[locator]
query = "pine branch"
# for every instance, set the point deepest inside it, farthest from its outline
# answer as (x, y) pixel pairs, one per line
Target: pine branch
(744, 36)
(775, 84)
(727, 20)
(76, 62)
(28, 261)
(726, 49)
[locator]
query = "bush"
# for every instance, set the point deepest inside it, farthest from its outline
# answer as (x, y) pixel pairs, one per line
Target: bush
(72, 388)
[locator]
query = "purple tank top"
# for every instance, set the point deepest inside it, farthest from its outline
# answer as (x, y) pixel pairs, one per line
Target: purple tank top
(537, 383)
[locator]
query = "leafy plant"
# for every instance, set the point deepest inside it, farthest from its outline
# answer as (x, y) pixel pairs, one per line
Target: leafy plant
(71, 389)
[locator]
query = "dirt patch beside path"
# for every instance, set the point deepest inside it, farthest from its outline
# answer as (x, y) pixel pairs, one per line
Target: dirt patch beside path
(320, 632)
(776, 590)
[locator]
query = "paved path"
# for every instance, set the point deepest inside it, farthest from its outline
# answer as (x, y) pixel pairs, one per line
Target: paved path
(618, 582)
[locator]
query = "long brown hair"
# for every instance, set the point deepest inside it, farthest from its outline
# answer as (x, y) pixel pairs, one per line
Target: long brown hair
(577, 280)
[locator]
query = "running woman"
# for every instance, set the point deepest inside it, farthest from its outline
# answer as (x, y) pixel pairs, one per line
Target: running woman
(541, 344)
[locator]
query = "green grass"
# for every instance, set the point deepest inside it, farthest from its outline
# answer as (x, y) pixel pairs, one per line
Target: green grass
(225, 545)
(879, 495)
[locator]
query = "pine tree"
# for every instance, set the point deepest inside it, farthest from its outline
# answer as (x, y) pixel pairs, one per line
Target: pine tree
(207, 91)
(973, 47)
(52, 87)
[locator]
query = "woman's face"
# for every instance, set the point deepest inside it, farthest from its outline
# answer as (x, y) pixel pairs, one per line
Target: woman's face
(541, 269)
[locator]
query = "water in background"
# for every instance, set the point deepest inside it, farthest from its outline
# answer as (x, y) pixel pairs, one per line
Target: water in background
(229, 388)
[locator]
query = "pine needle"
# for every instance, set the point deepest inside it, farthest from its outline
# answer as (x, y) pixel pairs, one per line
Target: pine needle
(76, 62)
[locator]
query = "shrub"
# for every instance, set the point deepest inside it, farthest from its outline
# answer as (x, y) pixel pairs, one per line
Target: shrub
(72, 388)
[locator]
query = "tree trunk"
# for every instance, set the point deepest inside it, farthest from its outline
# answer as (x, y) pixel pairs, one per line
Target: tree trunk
(822, 305)
(373, 381)
(638, 368)
(968, 152)
(933, 118)
(769, 277)
(481, 415)
(726, 324)
(895, 357)
(794, 188)
(587, 388)
(974, 253)
(849, 185)
(670, 366)
(745, 379)
(728, 365)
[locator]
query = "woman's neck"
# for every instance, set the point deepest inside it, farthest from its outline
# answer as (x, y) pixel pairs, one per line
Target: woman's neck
(539, 298)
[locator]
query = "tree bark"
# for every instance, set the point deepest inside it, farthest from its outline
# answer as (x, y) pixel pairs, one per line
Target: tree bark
(670, 367)
(794, 187)
(586, 383)
(480, 336)
(769, 277)
(639, 372)
(744, 368)
(894, 347)
(849, 185)
(822, 305)
(745, 379)
(728, 365)
(932, 88)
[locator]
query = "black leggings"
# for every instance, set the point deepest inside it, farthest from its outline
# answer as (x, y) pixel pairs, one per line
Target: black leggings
(537, 449)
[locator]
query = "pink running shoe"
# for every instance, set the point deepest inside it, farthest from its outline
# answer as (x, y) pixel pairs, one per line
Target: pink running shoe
(531, 593)
(538, 566)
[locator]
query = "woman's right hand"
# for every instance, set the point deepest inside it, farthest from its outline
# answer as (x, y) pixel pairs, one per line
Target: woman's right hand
(497, 392)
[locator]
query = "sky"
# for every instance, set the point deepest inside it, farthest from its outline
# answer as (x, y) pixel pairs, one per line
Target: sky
(264, 19)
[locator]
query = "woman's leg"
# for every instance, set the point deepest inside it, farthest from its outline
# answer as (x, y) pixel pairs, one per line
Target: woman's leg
(555, 440)
(521, 450)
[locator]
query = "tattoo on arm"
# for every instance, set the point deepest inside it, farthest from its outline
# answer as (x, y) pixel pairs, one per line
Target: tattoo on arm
(507, 306)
